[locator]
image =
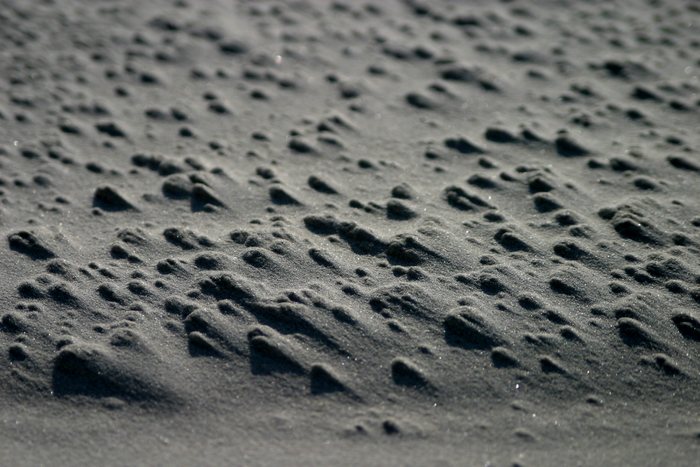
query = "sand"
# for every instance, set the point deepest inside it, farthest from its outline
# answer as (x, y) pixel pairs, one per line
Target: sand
(316, 232)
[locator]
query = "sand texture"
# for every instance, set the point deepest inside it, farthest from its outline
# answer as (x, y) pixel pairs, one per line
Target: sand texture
(311, 232)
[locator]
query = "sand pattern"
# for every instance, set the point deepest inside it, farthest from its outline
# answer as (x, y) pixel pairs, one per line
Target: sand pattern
(398, 219)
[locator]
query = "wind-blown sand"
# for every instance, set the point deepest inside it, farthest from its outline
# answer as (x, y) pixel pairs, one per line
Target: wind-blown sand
(309, 232)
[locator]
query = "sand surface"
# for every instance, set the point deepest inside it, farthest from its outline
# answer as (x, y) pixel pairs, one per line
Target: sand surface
(402, 232)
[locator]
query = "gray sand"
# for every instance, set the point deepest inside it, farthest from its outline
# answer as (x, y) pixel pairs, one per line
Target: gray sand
(314, 232)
